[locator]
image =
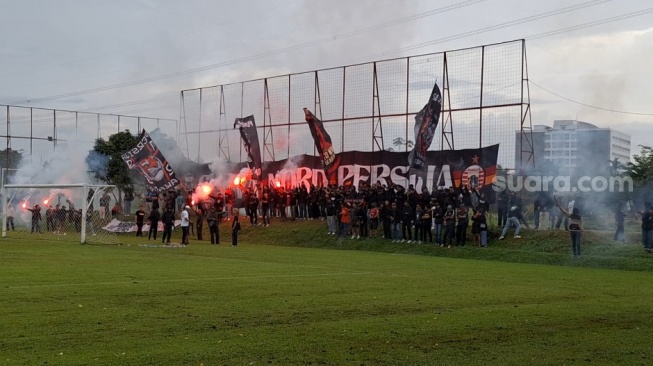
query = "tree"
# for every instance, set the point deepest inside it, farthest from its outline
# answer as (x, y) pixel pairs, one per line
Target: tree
(616, 168)
(400, 141)
(641, 170)
(10, 158)
(116, 171)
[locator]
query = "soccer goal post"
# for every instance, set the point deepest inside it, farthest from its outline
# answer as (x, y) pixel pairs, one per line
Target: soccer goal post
(57, 212)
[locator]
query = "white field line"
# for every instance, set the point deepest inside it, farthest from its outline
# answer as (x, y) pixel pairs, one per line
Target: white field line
(190, 280)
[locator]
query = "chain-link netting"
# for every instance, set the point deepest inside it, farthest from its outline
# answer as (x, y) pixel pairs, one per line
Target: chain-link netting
(58, 213)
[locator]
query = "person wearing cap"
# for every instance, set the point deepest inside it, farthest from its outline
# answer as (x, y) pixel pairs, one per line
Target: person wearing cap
(185, 223)
(331, 211)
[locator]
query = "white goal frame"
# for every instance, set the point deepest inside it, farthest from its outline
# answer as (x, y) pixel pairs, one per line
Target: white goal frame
(98, 189)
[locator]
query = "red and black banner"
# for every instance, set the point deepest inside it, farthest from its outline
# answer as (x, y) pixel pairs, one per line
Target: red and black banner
(149, 160)
(330, 161)
(426, 121)
(249, 135)
(475, 168)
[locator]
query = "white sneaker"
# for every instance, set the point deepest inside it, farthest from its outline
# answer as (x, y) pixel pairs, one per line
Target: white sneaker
(358, 237)
(501, 238)
(410, 241)
(517, 236)
(353, 236)
(403, 240)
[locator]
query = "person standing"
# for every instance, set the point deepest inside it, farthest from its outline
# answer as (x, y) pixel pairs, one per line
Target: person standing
(168, 219)
(479, 227)
(235, 228)
(407, 223)
(185, 223)
(331, 211)
(214, 228)
(514, 212)
(140, 220)
(199, 224)
(265, 208)
(576, 228)
(449, 226)
(252, 208)
(345, 219)
(438, 221)
(105, 201)
(154, 218)
(426, 225)
(10, 217)
(374, 220)
(619, 218)
(647, 229)
(36, 218)
(129, 198)
(461, 227)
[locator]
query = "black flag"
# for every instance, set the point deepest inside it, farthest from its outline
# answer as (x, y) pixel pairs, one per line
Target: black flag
(330, 161)
(249, 135)
(426, 121)
(147, 158)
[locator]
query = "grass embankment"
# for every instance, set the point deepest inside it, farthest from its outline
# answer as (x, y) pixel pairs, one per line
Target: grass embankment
(537, 247)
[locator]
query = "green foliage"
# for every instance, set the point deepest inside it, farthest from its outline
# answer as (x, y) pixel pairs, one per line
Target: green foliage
(641, 170)
(117, 171)
(10, 158)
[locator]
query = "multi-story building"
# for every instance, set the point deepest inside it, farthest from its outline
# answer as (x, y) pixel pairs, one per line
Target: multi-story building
(577, 147)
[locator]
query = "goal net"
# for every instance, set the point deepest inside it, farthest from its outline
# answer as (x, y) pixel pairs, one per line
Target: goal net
(73, 213)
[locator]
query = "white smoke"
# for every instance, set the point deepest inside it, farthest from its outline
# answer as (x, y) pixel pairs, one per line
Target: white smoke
(66, 165)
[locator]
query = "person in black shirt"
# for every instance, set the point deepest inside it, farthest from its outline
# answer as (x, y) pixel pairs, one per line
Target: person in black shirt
(235, 228)
(386, 220)
(154, 218)
(479, 227)
(140, 220)
(407, 222)
(461, 228)
(199, 224)
(576, 227)
(168, 219)
(214, 227)
(36, 219)
(647, 229)
(619, 218)
(449, 226)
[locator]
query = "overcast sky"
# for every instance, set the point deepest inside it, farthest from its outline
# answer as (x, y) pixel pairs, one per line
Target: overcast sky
(134, 57)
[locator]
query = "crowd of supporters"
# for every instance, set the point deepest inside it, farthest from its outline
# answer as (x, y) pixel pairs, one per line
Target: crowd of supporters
(444, 217)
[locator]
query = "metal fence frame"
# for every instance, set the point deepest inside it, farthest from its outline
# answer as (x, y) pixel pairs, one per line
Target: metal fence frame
(524, 146)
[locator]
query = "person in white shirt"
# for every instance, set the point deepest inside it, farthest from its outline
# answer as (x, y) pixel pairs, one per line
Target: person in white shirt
(185, 223)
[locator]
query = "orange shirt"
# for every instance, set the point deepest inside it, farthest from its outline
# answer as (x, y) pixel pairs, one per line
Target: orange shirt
(344, 215)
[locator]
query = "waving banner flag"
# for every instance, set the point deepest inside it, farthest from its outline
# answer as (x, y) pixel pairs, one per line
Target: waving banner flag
(147, 158)
(249, 135)
(330, 161)
(426, 121)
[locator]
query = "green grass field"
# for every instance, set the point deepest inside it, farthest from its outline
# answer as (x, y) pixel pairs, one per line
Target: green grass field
(291, 295)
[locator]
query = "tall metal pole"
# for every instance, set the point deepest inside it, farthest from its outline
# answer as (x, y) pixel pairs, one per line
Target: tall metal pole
(31, 133)
(342, 130)
(480, 109)
(199, 136)
(54, 133)
(4, 207)
(84, 212)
